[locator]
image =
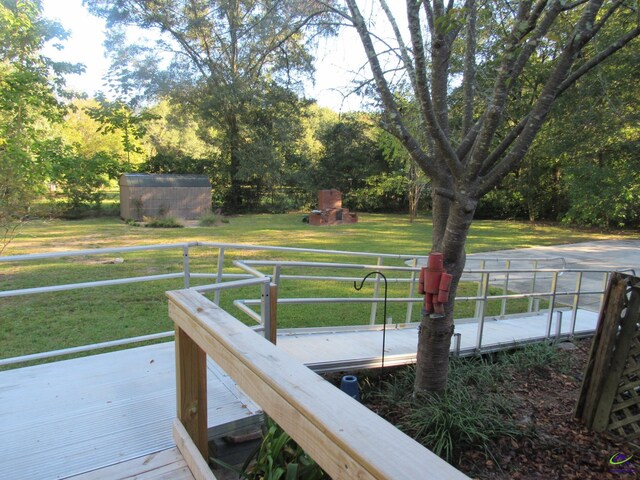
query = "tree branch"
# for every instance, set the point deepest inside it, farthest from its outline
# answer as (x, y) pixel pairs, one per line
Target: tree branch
(386, 96)
(404, 52)
(469, 74)
(424, 97)
(551, 90)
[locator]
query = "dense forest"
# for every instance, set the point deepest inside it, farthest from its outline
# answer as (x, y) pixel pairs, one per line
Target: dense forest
(237, 112)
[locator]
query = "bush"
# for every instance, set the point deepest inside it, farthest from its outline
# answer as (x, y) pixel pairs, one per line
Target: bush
(475, 411)
(278, 456)
(163, 222)
(535, 356)
(471, 413)
(213, 219)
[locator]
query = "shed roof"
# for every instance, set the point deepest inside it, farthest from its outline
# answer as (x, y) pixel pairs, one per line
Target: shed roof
(164, 180)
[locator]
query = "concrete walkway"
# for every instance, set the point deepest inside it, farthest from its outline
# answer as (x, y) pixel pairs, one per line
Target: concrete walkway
(600, 257)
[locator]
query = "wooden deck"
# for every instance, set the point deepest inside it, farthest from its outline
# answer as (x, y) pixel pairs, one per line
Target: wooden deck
(167, 464)
(65, 418)
(97, 415)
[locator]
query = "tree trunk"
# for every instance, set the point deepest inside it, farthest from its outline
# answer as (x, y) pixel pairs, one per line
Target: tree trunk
(434, 337)
(234, 197)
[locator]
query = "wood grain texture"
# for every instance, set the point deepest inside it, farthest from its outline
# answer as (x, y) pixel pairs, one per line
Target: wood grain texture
(191, 389)
(192, 456)
(345, 438)
(167, 464)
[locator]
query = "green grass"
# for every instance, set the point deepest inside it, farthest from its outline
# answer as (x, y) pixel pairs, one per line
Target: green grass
(43, 322)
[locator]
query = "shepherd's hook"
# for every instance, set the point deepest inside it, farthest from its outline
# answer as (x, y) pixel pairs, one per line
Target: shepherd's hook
(384, 319)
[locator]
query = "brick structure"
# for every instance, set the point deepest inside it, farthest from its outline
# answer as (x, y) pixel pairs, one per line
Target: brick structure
(330, 211)
(186, 197)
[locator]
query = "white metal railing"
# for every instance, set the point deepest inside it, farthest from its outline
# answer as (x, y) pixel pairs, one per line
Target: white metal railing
(252, 275)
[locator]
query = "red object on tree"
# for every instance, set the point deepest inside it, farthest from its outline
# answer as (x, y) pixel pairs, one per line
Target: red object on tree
(434, 284)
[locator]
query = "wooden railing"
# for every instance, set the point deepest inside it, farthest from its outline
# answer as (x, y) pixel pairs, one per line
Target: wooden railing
(345, 438)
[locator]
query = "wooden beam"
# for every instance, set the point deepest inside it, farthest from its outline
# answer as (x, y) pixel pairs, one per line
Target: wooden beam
(618, 359)
(191, 388)
(192, 455)
(164, 464)
(345, 438)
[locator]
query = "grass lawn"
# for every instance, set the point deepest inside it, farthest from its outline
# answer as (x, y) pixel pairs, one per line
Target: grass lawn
(51, 321)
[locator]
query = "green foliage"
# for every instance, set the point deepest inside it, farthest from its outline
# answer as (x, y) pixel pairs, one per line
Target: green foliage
(279, 457)
(605, 193)
(83, 132)
(582, 167)
(351, 153)
(119, 116)
(476, 409)
(471, 413)
(535, 356)
(30, 91)
(213, 219)
(163, 222)
(234, 66)
(383, 192)
(82, 179)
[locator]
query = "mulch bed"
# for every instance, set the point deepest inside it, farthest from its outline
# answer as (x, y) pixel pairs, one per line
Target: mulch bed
(555, 446)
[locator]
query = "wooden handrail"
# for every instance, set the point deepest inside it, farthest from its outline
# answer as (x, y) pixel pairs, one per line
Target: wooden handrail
(345, 438)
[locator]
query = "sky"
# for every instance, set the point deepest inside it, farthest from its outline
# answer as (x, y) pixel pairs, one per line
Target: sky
(337, 58)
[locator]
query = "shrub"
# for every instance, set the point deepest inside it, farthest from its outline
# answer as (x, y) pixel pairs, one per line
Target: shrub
(535, 356)
(214, 219)
(164, 222)
(472, 413)
(278, 457)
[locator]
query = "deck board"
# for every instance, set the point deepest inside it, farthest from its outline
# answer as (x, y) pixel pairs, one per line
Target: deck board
(65, 418)
(166, 464)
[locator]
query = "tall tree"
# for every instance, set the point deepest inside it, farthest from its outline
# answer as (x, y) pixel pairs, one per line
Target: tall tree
(118, 116)
(495, 49)
(225, 56)
(31, 88)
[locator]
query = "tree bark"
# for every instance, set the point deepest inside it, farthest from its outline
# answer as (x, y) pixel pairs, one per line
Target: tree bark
(234, 197)
(432, 365)
(435, 332)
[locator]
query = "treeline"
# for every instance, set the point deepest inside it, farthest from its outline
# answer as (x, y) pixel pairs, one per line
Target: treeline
(265, 147)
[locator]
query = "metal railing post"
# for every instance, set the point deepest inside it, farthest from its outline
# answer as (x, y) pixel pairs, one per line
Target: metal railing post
(605, 280)
(576, 302)
(376, 294)
(276, 275)
(485, 292)
(558, 325)
(412, 290)
(479, 304)
(219, 272)
(534, 303)
(185, 262)
(505, 289)
(552, 298)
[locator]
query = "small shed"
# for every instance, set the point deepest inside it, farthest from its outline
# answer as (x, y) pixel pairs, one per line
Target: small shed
(187, 197)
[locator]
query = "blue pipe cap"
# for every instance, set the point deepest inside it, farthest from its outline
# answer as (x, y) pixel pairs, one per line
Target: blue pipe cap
(349, 385)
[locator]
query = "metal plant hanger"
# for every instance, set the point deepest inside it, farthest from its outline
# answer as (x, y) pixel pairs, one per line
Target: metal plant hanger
(384, 318)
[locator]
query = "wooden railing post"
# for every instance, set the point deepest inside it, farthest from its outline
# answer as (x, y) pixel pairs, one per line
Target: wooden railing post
(191, 385)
